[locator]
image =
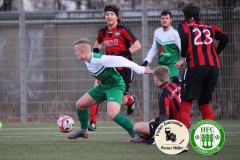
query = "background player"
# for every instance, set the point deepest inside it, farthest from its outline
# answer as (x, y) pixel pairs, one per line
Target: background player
(166, 42)
(117, 39)
(202, 57)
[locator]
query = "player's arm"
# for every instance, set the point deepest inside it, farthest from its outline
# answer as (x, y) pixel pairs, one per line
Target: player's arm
(164, 106)
(118, 61)
(178, 41)
(135, 47)
(97, 46)
(98, 43)
(152, 52)
(184, 39)
(129, 36)
(221, 37)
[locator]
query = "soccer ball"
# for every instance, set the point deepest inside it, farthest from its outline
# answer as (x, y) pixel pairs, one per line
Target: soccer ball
(65, 124)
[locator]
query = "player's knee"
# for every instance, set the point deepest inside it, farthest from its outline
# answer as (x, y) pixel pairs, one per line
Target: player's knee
(111, 114)
(136, 127)
(80, 105)
(124, 99)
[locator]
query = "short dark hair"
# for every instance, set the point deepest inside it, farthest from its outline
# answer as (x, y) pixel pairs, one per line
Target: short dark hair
(191, 10)
(166, 12)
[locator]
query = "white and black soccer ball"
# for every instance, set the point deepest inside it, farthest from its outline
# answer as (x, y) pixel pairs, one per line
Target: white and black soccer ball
(65, 124)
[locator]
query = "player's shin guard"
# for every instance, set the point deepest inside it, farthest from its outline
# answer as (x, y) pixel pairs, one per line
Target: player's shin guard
(184, 114)
(125, 123)
(83, 116)
(93, 112)
(207, 112)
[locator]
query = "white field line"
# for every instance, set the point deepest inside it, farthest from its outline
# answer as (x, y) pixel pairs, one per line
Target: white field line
(56, 134)
(46, 128)
(64, 134)
(77, 127)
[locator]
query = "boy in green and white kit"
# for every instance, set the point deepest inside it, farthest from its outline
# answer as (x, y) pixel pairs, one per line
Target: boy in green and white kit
(166, 42)
(110, 88)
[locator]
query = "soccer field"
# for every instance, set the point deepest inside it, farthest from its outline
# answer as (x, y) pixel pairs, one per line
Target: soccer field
(109, 142)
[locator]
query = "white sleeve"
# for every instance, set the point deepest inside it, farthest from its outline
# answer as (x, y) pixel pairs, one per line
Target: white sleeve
(178, 41)
(153, 50)
(119, 61)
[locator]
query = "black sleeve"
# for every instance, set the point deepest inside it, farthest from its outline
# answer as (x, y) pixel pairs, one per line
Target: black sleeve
(223, 40)
(184, 40)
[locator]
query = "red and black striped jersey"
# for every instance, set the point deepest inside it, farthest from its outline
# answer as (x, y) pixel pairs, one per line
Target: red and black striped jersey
(198, 43)
(169, 100)
(118, 39)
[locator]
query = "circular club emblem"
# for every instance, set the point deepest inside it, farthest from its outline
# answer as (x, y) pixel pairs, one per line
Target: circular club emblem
(171, 137)
(207, 137)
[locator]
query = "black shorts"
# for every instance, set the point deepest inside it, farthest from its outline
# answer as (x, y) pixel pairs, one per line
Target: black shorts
(127, 75)
(199, 83)
(153, 125)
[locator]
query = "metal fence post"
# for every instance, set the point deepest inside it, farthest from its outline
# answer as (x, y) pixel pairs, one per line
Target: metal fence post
(23, 63)
(144, 52)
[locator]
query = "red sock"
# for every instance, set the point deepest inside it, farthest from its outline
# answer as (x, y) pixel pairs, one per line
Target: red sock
(130, 99)
(207, 112)
(184, 114)
(145, 136)
(93, 112)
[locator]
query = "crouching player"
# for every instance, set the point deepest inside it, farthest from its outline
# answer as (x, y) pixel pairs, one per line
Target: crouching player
(168, 106)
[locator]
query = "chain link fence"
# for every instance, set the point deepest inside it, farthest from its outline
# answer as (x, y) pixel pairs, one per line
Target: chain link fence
(42, 79)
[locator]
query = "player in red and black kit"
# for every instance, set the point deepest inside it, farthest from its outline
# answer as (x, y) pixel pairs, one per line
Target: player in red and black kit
(202, 57)
(119, 41)
(168, 106)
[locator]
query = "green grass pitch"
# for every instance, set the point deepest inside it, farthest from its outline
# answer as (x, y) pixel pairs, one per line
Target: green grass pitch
(109, 142)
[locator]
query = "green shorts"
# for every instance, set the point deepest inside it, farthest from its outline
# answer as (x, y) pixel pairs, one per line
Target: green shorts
(113, 94)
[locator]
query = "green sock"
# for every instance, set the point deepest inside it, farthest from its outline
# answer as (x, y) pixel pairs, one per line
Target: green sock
(125, 123)
(83, 116)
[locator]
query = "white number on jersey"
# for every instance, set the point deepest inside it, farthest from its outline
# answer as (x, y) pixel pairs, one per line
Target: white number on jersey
(199, 33)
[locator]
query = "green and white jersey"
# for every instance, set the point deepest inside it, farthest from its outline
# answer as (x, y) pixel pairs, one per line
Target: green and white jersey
(168, 46)
(102, 67)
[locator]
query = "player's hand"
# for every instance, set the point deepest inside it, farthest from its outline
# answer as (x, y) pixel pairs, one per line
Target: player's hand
(180, 63)
(145, 63)
(147, 70)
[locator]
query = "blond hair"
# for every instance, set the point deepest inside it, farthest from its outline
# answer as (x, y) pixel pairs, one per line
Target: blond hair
(82, 40)
(162, 72)
(85, 43)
